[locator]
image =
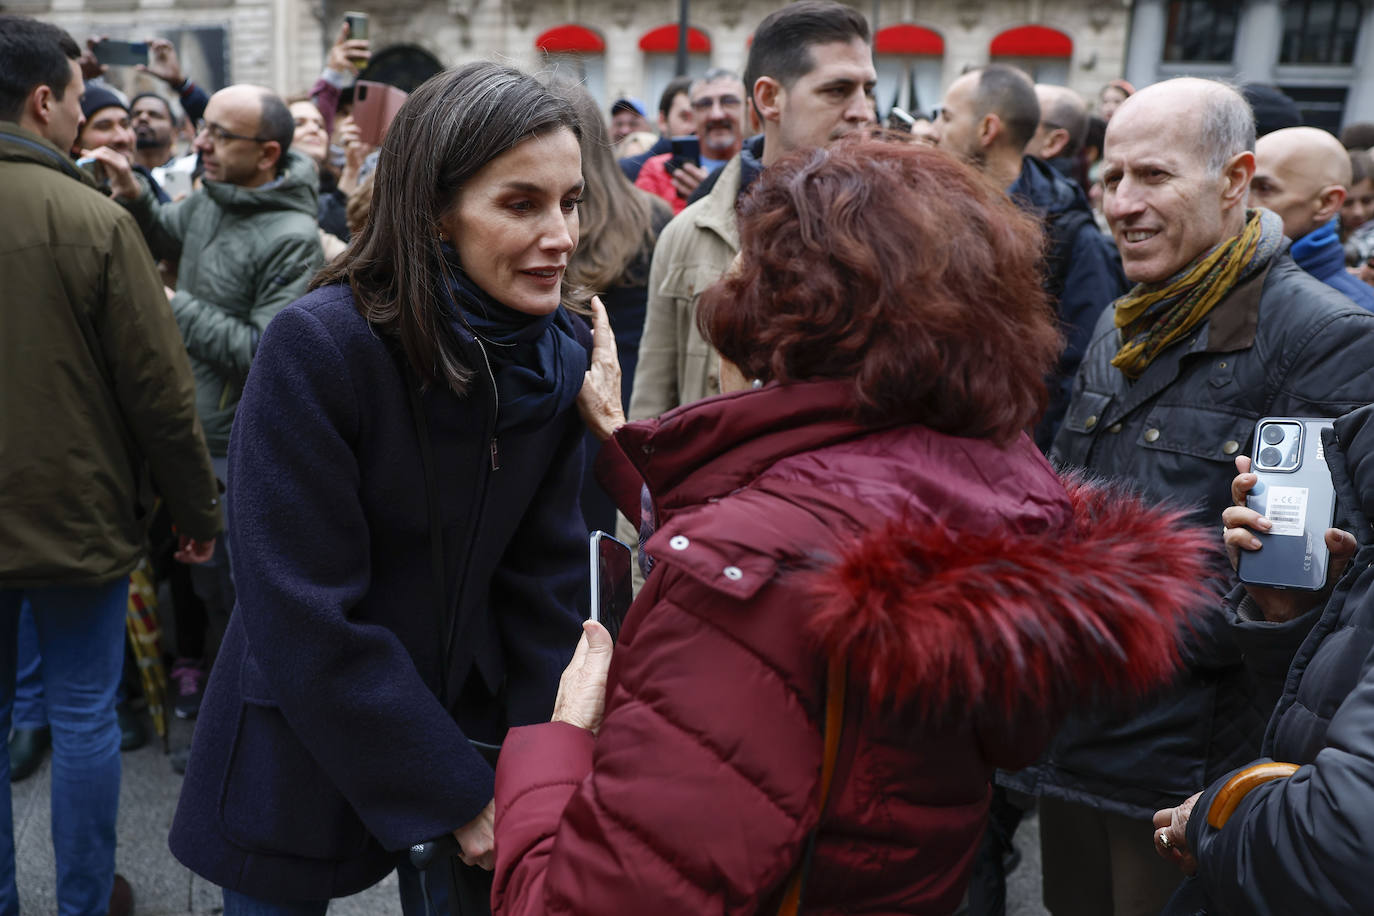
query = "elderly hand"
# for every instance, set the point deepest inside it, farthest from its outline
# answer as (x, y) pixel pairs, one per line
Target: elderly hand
(581, 697)
(164, 63)
(1240, 522)
(599, 399)
(687, 178)
(477, 839)
(348, 55)
(1171, 835)
(123, 184)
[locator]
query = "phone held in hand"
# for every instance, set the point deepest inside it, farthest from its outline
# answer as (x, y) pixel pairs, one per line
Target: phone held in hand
(686, 149)
(1295, 493)
(357, 24)
(611, 583)
(114, 53)
(374, 107)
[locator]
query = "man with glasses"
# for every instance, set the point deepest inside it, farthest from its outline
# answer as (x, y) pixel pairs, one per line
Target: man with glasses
(248, 245)
(717, 101)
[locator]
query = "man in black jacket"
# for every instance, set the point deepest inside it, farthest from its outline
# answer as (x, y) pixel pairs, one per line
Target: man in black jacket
(987, 118)
(1222, 328)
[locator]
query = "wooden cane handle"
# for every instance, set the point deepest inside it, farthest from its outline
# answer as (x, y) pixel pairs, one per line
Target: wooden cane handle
(1240, 785)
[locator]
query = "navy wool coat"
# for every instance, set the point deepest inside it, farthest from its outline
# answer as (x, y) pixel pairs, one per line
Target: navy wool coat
(322, 750)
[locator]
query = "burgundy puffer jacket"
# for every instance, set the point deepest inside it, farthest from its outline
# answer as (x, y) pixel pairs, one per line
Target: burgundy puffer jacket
(974, 598)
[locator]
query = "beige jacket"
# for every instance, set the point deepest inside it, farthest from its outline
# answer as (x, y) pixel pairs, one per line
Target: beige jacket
(676, 365)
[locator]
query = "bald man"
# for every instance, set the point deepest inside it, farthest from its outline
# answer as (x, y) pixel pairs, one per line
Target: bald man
(1175, 376)
(1301, 173)
(248, 244)
(1063, 126)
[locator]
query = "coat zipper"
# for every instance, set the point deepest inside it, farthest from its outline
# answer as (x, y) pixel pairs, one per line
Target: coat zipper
(496, 400)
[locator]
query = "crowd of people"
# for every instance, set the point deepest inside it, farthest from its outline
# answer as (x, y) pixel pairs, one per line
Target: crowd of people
(920, 433)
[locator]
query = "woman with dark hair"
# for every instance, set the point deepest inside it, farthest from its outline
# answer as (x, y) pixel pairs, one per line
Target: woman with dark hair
(620, 224)
(406, 461)
(869, 587)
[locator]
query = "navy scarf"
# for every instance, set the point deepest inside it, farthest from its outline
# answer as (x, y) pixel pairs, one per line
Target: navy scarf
(537, 363)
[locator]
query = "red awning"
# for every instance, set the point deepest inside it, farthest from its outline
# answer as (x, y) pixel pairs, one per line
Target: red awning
(564, 39)
(1032, 41)
(908, 39)
(664, 39)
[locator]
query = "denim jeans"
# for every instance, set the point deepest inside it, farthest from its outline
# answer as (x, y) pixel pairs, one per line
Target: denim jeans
(429, 898)
(81, 638)
(30, 711)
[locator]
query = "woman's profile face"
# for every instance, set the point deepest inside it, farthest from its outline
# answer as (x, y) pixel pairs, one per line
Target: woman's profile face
(514, 223)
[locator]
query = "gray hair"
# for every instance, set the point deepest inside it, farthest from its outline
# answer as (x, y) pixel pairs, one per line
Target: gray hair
(710, 76)
(1228, 125)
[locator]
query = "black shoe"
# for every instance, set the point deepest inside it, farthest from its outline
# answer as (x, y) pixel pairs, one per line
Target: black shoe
(27, 747)
(121, 898)
(132, 734)
(178, 759)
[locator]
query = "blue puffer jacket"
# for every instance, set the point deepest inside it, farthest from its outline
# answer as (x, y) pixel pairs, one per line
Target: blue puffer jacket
(1320, 254)
(322, 750)
(1304, 844)
(1280, 344)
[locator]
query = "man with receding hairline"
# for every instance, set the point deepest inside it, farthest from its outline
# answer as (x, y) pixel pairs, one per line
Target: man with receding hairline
(248, 245)
(1221, 328)
(1063, 126)
(1301, 173)
(989, 118)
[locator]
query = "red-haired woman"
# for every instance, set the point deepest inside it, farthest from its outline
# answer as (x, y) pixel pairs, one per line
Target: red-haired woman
(861, 546)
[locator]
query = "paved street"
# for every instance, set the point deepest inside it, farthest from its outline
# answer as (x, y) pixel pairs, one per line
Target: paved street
(163, 888)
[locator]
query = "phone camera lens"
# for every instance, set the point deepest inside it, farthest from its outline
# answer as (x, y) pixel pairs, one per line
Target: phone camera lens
(1273, 435)
(1271, 457)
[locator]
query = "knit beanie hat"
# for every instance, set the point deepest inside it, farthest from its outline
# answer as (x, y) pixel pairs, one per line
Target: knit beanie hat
(98, 97)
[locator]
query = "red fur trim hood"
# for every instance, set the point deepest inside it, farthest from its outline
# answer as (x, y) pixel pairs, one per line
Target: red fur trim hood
(958, 621)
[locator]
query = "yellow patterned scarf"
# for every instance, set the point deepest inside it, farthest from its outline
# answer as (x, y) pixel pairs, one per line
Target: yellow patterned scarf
(1153, 316)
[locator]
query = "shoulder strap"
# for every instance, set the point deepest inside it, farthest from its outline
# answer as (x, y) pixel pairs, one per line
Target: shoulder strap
(836, 676)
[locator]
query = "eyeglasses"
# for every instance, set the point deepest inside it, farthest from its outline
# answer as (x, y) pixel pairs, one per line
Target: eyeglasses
(726, 102)
(218, 134)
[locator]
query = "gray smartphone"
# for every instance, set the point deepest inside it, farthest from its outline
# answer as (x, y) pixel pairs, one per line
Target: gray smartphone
(357, 24)
(116, 53)
(612, 585)
(1294, 492)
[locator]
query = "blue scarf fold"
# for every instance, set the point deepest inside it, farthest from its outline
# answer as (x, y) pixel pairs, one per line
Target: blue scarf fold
(537, 363)
(1319, 252)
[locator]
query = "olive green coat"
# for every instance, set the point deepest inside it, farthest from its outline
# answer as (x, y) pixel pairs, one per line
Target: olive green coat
(245, 254)
(95, 387)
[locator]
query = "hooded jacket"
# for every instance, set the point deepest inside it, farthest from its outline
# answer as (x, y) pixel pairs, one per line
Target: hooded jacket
(94, 383)
(245, 254)
(1082, 274)
(1303, 844)
(789, 533)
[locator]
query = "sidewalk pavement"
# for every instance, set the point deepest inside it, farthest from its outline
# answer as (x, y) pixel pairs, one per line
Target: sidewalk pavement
(162, 887)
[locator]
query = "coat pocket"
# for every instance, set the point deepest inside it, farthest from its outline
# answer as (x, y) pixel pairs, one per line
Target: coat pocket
(277, 799)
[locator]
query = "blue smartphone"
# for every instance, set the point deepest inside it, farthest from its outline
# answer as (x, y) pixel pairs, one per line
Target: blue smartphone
(1295, 493)
(611, 581)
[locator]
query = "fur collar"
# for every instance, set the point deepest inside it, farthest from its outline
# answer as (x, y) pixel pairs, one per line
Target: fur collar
(957, 622)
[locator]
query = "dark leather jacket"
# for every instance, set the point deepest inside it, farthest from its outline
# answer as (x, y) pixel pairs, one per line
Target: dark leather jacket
(1281, 344)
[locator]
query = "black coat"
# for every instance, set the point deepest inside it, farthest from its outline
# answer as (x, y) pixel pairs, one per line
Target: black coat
(1281, 344)
(1304, 844)
(322, 750)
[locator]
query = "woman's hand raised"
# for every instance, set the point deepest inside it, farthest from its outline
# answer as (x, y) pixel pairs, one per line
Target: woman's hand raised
(581, 697)
(599, 399)
(1240, 523)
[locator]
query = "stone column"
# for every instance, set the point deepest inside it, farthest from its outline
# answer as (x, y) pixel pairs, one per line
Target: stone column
(1145, 46)
(1258, 40)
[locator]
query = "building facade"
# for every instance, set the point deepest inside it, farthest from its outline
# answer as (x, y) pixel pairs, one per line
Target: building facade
(1317, 50)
